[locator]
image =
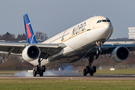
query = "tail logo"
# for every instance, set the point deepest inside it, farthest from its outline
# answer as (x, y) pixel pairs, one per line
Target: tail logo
(28, 31)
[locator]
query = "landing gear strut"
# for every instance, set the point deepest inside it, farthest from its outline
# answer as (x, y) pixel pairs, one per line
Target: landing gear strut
(89, 69)
(99, 51)
(39, 69)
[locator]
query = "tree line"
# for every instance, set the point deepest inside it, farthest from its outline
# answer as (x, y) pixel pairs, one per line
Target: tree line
(11, 37)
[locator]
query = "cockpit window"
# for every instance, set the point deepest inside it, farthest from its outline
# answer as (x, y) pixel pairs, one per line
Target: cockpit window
(103, 20)
(108, 21)
(99, 21)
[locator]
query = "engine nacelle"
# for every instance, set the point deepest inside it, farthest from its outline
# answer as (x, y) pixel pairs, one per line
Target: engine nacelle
(120, 54)
(30, 53)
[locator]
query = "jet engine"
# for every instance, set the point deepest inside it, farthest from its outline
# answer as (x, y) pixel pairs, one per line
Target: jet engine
(120, 54)
(30, 53)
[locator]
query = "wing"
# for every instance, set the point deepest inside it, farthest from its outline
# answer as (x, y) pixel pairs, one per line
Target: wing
(17, 48)
(108, 48)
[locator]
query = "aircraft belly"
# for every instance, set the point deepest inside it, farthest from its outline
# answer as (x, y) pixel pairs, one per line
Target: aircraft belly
(64, 59)
(43, 62)
(59, 59)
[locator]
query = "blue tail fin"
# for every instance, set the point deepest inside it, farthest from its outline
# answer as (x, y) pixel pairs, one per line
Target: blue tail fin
(30, 37)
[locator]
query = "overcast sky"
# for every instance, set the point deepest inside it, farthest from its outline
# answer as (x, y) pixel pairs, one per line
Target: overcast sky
(55, 16)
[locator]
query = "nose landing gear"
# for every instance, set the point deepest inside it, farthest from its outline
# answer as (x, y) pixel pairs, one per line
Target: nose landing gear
(99, 51)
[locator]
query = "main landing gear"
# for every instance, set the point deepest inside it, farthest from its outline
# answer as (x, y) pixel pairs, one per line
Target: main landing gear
(89, 69)
(39, 69)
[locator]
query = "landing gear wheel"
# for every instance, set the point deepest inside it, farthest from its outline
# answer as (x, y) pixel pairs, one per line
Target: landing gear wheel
(87, 69)
(37, 68)
(41, 73)
(90, 57)
(84, 72)
(94, 69)
(43, 68)
(91, 73)
(34, 73)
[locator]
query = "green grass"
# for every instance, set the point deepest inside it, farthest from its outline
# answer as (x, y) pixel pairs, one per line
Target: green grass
(9, 72)
(120, 71)
(44, 84)
(52, 84)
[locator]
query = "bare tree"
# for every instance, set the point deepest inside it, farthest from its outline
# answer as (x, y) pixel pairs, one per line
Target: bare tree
(8, 37)
(21, 37)
(41, 36)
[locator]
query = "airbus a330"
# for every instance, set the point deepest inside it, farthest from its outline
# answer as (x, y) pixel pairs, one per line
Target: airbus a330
(84, 40)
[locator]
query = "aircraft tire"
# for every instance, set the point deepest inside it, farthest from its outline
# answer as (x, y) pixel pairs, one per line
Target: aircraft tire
(41, 73)
(37, 68)
(84, 72)
(43, 68)
(91, 73)
(34, 73)
(87, 69)
(94, 69)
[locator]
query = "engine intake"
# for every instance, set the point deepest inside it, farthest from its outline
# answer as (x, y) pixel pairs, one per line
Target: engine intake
(30, 53)
(120, 54)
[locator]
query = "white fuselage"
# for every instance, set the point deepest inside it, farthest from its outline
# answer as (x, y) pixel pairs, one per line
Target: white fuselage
(79, 39)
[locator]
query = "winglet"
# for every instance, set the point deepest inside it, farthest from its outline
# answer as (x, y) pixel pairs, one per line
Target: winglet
(30, 37)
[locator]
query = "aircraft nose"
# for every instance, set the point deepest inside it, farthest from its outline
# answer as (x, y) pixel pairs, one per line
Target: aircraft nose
(109, 31)
(108, 24)
(109, 27)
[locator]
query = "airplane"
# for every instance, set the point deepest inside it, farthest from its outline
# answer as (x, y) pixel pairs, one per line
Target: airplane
(83, 40)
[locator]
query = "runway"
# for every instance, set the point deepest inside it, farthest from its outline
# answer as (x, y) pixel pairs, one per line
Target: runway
(67, 75)
(74, 77)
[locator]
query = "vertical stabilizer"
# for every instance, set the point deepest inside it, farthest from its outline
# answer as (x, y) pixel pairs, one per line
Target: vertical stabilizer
(30, 37)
